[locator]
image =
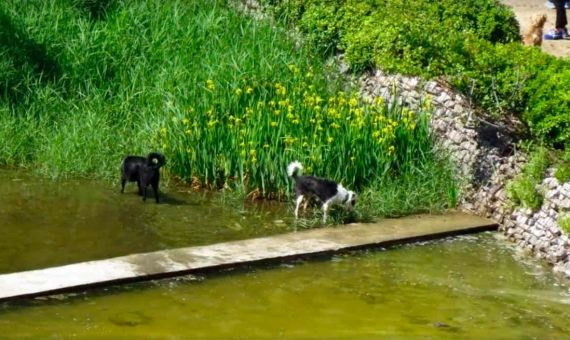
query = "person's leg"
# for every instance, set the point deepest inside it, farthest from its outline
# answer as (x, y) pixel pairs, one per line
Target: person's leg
(561, 20)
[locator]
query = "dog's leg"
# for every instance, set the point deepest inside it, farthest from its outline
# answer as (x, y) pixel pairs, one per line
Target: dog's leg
(123, 181)
(155, 188)
(297, 204)
(144, 186)
(305, 204)
(139, 185)
(325, 208)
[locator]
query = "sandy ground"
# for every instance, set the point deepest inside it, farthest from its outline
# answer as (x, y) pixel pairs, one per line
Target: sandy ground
(525, 9)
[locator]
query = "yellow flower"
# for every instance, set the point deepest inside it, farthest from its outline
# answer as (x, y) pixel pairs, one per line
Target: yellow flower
(210, 85)
(273, 124)
(185, 121)
(330, 140)
(188, 132)
(254, 160)
(289, 140)
(212, 122)
(252, 152)
(391, 149)
(163, 131)
(249, 90)
(266, 146)
(280, 89)
(353, 158)
(293, 68)
(238, 92)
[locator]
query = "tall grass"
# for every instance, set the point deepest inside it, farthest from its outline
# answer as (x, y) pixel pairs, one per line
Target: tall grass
(228, 99)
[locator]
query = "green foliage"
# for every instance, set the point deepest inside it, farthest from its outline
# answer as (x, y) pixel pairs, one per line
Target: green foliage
(564, 223)
(230, 100)
(562, 173)
(426, 189)
(475, 44)
(548, 106)
(522, 189)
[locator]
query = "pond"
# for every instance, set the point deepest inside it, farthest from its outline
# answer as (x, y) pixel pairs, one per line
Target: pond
(471, 286)
(46, 223)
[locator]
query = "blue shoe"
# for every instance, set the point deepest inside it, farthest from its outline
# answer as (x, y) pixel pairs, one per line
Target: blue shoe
(554, 35)
(549, 4)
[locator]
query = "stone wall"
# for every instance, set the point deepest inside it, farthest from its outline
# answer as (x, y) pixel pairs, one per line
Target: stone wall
(484, 150)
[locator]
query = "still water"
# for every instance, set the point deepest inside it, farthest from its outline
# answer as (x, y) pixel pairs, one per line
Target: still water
(465, 287)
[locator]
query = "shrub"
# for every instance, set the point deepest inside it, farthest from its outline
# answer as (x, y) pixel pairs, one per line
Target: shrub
(548, 107)
(523, 189)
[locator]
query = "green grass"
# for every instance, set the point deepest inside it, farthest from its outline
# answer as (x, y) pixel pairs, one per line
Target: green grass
(522, 189)
(229, 100)
(564, 223)
(562, 173)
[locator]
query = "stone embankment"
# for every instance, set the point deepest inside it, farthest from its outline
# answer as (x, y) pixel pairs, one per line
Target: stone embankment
(486, 157)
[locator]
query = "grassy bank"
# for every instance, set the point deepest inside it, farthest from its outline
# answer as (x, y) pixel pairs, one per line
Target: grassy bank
(229, 100)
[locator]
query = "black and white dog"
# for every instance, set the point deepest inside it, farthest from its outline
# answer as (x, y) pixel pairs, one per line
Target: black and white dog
(144, 171)
(327, 191)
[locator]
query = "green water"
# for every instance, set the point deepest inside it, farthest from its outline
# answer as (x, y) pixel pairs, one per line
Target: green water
(45, 223)
(466, 287)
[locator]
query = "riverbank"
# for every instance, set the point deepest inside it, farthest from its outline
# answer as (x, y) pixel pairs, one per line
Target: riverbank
(228, 99)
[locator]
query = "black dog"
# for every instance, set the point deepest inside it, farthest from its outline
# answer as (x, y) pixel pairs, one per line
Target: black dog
(144, 171)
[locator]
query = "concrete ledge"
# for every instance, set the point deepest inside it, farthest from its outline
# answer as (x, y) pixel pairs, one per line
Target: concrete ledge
(167, 263)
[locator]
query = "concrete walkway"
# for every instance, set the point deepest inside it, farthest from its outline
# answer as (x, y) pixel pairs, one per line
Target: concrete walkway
(182, 261)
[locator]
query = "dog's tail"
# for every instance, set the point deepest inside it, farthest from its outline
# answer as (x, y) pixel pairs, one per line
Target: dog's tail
(294, 169)
(156, 159)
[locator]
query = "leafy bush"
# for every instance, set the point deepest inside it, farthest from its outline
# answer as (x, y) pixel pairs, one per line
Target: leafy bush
(548, 107)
